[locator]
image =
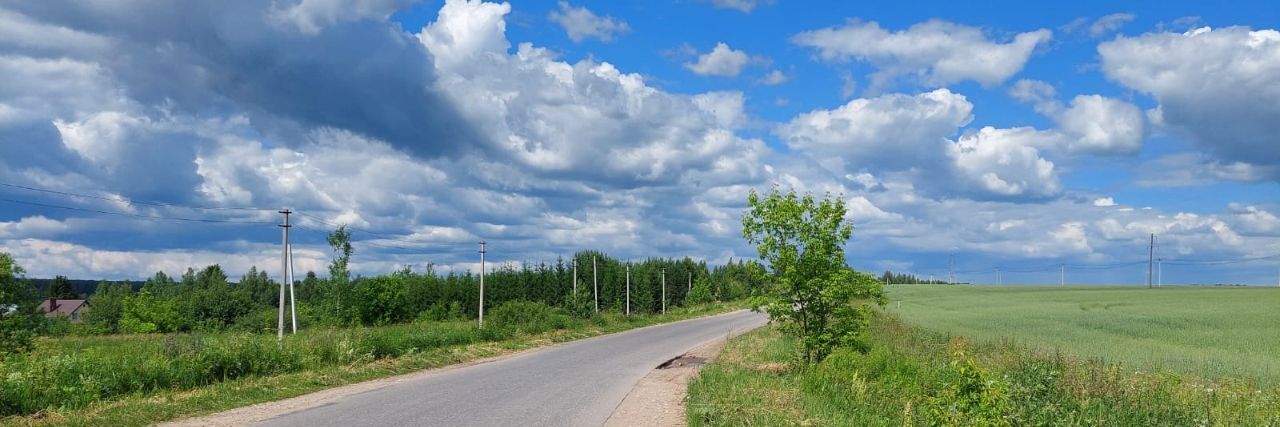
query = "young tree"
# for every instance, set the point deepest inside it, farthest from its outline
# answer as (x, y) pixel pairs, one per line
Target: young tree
(701, 292)
(108, 305)
(18, 315)
(819, 298)
(340, 241)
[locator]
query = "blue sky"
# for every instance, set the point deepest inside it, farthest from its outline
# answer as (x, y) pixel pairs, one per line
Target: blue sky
(1008, 135)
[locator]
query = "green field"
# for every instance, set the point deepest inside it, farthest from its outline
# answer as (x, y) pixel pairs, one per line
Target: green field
(1209, 332)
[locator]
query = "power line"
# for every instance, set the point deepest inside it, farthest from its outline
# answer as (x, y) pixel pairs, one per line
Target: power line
(119, 198)
(133, 215)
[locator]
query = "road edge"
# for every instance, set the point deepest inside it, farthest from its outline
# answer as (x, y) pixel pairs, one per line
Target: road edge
(659, 398)
(266, 410)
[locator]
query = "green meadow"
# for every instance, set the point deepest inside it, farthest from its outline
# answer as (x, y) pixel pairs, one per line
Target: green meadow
(1209, 332)
(1017, 356)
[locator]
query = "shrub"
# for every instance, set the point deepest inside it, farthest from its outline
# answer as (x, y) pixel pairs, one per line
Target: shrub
(969, 397)
(701, 292)
(527, 317)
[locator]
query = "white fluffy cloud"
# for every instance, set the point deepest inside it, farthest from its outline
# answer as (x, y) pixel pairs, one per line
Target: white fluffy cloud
(1092, 124)
(581, 24)
(896, 133)
(888, 132)
(1213, 85)
(1004, 163)
(721, 61)
(1095, 124)
(936, 53)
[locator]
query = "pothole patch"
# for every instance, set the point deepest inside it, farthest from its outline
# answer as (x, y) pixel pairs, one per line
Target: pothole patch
(684, 361)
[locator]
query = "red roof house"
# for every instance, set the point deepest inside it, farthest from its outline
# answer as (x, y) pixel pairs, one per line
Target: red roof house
(69, 308)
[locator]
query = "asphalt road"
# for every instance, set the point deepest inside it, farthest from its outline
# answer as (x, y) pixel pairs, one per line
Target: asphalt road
(572, 384)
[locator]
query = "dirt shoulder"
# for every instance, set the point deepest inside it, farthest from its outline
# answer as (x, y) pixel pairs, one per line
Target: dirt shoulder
(659, 398)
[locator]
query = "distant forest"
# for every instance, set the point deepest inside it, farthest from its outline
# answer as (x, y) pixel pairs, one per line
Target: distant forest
(890, 278)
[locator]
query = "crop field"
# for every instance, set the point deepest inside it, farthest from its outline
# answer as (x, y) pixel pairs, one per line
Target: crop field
(1209, 332)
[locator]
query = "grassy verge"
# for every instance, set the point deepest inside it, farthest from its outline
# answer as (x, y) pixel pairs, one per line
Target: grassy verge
(139, 380)
(916, 377)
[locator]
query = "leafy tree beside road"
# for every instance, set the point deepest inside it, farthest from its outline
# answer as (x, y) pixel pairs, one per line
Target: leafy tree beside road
(818, 298)
(17, 314)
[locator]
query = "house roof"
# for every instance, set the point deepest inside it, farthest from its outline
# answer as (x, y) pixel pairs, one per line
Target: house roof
(62, 307)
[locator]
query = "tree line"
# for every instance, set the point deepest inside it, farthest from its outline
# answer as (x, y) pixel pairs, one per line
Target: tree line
(890, 277)
(209, 299)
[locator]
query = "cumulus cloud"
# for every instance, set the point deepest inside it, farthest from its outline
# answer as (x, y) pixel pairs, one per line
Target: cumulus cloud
(888, 132)
(1210, 84)
(935, 53)
(581, 24)
(1092, 124)
(897, 133)
(1096, 124)
(721, 61)
(1104, 202)
(1002, 163)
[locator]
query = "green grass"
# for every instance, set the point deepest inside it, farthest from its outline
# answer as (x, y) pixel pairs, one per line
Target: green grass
(913, 377)
(1209, 332)
(143, 379)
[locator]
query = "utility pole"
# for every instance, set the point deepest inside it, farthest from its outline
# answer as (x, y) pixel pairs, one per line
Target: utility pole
(482, 251)
(1151, 257)
(575, 276)
(284, 272)
(690, 289)
(664, 291)
(293, 300)
(951, 269)
(595, 284)
(628, 289)
(1159, 273)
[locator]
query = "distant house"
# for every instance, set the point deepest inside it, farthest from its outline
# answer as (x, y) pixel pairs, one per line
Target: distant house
(70, 308)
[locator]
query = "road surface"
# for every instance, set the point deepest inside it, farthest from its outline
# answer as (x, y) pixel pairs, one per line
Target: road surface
(572, 384)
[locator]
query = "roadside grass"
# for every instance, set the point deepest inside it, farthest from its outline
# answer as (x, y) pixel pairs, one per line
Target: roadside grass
(1210, 332)
(144, 379)
(914, 377)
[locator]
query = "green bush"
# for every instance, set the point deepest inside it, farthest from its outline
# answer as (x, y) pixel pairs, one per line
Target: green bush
(527, 317)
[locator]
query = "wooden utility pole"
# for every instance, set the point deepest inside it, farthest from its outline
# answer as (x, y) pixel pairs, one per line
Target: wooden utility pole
(284, 271)
(575, 276)
(482, 283)
(664, 291)
(628, 289)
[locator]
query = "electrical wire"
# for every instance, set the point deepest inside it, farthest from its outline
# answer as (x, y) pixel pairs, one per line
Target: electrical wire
(132, 201)
(133, 215)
